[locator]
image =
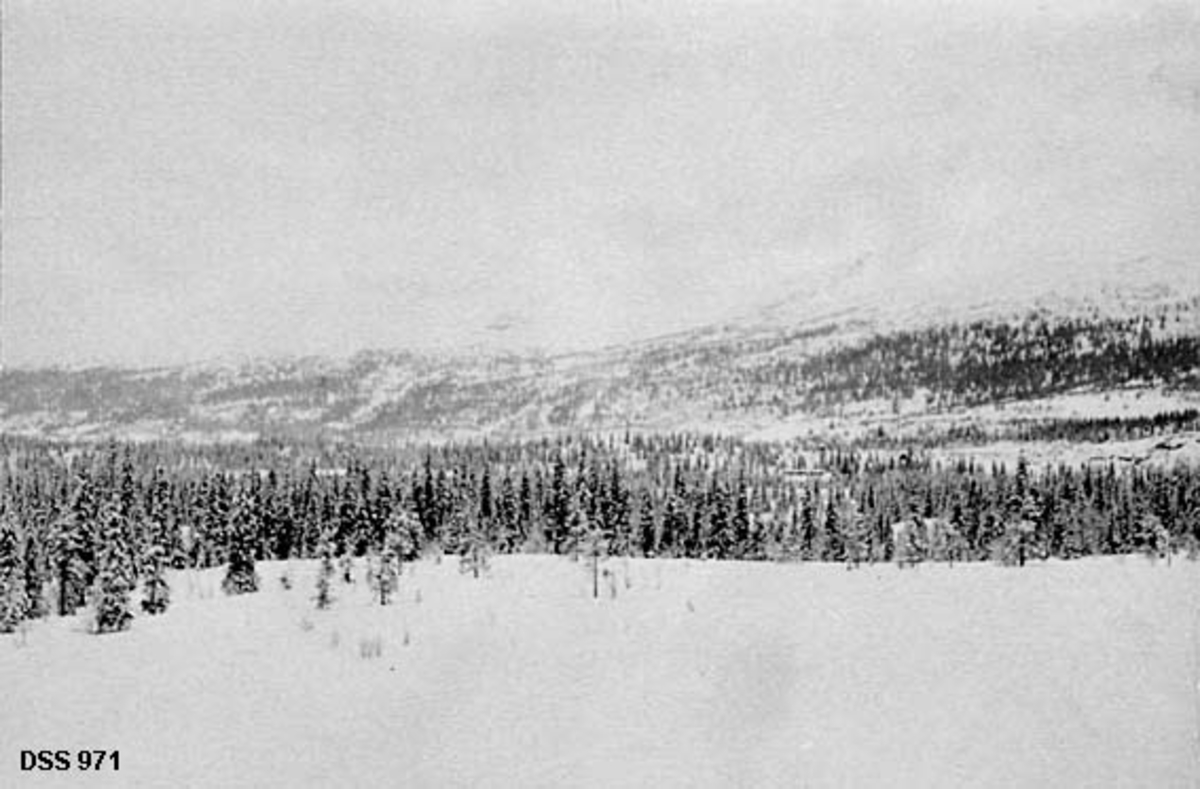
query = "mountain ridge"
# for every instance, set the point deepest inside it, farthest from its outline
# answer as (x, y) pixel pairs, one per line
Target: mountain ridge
(763, 369)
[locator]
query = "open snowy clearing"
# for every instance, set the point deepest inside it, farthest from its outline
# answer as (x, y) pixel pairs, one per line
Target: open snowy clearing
(683, 673)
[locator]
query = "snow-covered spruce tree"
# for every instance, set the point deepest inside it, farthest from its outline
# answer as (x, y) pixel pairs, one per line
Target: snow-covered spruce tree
(14, 605)
(578, 529)
(115, 572)
(403, 534)
(1016, 542)
(241, 576)
(941, 539)
(908, 544)
(35, 577)
(1153, 537)
(73, 546)
(855, 537)
(156, 593)
(833, 547)
(1021, 531)
(71, 569)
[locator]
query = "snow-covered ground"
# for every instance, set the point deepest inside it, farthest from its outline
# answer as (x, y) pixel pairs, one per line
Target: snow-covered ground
(683, 673)
(914, 417)
(1170, 450)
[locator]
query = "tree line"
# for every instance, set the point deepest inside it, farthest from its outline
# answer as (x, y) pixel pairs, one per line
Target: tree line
(83, 524)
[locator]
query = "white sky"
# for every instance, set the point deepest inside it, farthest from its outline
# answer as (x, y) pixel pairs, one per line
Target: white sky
(193, 180)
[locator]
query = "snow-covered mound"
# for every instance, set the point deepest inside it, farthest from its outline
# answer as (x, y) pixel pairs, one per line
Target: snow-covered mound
(680, 674)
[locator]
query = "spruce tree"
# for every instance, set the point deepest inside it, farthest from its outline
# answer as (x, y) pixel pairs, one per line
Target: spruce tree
(35, 578)
(674, 523)
(558, 508)
(240, 575)
(1024, 516)
(71, 568)
(115, 575)
(507, 517)
(525, 514)
(156, 593)
(14, 604)
(1018, 537)
(855, 538)
(1153, 537)
(484, 506)
(618, 512)
(741, 520)
(578, 529)
(808, 525)
(724, 539)
(402, 533)
(832, 547)
(73, 546)
(643, 528)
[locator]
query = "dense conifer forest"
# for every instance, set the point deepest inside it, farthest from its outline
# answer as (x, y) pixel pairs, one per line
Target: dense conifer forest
(86, 523)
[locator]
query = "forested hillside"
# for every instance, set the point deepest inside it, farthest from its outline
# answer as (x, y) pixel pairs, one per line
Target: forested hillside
(721, 379)
(984, 362)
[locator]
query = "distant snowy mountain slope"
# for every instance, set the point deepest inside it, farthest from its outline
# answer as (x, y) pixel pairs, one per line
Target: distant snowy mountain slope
(862, 338)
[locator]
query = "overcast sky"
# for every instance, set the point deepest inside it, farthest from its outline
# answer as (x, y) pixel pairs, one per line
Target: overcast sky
(185, 181)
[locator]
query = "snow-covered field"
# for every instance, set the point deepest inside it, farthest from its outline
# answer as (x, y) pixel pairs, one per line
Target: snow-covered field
(681, 674)
(916, 417)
